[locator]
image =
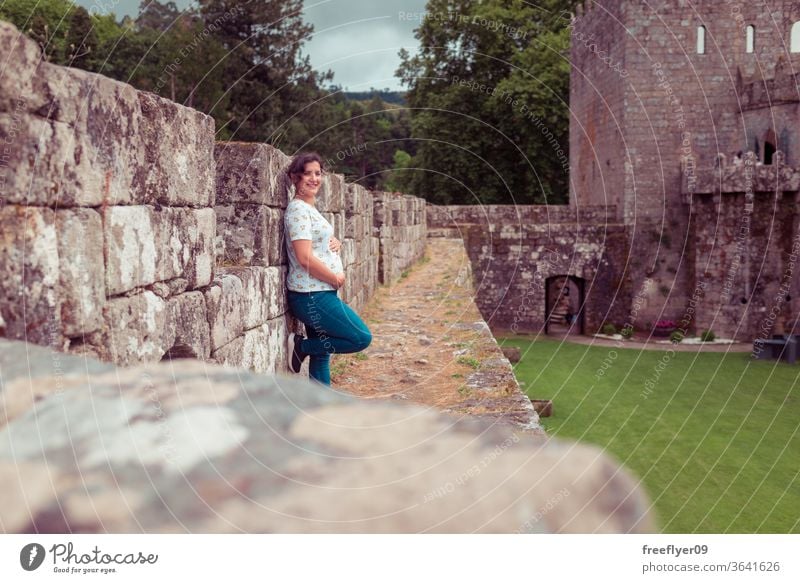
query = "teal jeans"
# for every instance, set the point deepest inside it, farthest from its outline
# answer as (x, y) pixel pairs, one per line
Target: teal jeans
(331, 326)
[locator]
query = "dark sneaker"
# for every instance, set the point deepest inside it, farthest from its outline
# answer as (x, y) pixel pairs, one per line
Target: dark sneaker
(296, 356)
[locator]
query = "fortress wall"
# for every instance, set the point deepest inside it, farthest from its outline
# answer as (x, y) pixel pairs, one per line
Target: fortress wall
(745, 248)
(513, 250)
(671, 101)
(597, 149)
(128, 234)
(676, 105)
(107, 215)
(746, 265)
(401, 226)
(455, 216)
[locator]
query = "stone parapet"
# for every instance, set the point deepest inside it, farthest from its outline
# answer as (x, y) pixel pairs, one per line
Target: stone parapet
(452, 217)
(130, 235)
(515, 251)
(87, 447)
(745, 175)
(401, 228)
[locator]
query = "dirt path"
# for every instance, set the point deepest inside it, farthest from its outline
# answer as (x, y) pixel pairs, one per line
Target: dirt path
(430, 345)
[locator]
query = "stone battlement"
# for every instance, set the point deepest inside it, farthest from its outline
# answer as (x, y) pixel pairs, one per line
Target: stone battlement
(131, 236)
(782, 88)
(740, 176)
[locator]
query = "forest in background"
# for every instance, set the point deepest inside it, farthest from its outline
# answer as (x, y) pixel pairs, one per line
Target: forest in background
(447, 139)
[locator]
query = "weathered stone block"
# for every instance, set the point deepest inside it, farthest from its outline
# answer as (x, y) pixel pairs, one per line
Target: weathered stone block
(231, 354)
(347, 252)
(201, 229)
(351, 226)
(82, 279)
(251, 173)
(65, 93)
(109, 153)
(331, 195)
(178, 141)
(265, 347)
(186, 314)
(355, 199)
(43, 163)
(264, 293)
(136, 329)
(185, 239)
(29, 164)
(21, 56)
(224, 301)
(96, 140)
(261, 349)
(337, 221)
(251, 235)
(30, 306)
(130, 239)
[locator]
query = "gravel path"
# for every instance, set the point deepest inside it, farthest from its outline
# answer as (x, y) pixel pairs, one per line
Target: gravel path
(430, 344)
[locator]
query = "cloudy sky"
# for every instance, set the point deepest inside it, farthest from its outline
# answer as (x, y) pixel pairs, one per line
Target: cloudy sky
(357, 39)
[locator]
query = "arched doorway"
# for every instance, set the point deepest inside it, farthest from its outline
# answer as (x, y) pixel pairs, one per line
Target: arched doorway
(564, 305)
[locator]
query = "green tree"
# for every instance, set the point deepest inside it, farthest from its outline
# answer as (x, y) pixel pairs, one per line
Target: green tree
(475, 143)
(81, 42)
(45, 21)
(401, 162)
(267, 79)
(157, 15)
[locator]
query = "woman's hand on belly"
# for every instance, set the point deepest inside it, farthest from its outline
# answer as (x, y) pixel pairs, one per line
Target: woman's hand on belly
(334, 245)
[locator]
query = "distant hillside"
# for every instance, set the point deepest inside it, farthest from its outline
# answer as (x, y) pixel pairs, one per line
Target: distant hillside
(394, 97)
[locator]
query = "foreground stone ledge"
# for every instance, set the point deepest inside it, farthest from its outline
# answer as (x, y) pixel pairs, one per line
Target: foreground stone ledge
(192, 447)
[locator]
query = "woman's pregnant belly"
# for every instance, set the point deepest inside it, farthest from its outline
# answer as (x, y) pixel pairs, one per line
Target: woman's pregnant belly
(333, 261)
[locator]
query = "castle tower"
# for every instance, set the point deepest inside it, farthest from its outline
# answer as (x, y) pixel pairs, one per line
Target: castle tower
(660, 95)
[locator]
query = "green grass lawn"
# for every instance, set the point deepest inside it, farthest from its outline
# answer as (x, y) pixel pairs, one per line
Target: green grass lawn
(714, 437)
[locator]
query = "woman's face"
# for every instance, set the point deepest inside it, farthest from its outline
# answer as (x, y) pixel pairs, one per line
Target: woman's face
(310, 180)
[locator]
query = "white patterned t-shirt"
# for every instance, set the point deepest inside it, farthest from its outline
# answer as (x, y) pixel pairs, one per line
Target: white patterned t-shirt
(303, 221)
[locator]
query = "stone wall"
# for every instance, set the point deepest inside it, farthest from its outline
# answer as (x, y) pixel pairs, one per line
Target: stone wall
(746, 240)
(670, 102)
(128, 234)
(596, 103)
(514, 250)
(107, 212)
(89, 447)
(401, 225)
(648, 113)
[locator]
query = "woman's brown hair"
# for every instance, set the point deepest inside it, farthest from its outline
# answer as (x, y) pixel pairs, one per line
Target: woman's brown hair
(298, 164)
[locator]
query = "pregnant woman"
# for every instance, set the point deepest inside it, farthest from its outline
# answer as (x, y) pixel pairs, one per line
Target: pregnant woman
(315, 275)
